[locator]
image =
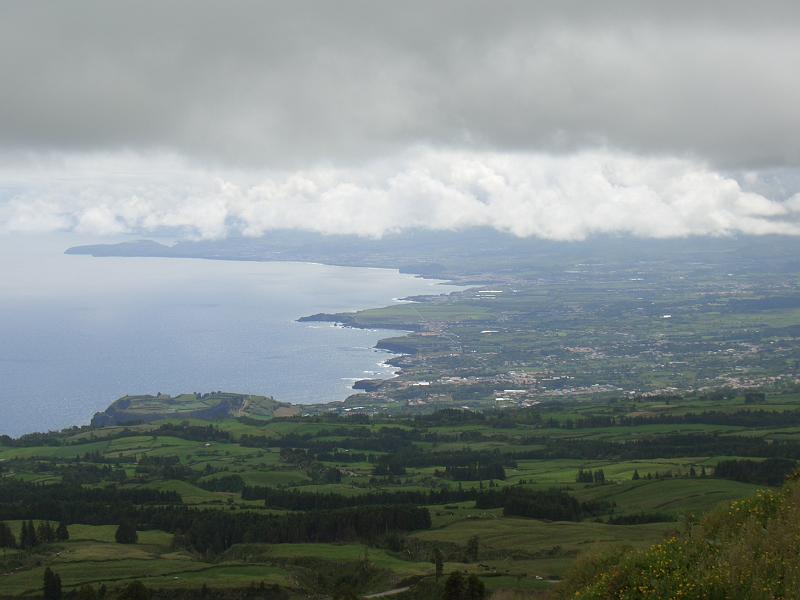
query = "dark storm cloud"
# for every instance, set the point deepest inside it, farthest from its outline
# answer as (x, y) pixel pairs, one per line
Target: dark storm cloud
(292, 83)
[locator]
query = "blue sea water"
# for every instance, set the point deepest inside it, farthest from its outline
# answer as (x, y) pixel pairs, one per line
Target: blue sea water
(77, 332)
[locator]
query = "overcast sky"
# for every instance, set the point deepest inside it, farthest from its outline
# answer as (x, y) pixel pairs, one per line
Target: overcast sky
(555, 119)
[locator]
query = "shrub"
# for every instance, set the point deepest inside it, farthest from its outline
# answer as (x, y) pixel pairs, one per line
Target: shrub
(745, 550)
(126, 533)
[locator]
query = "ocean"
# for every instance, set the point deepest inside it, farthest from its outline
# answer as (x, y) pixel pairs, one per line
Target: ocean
(77, 332)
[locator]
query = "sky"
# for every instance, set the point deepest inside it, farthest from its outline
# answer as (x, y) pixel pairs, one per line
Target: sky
(559, 120)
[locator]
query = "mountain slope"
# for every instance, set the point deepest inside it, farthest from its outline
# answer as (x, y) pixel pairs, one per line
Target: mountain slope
(748, 549)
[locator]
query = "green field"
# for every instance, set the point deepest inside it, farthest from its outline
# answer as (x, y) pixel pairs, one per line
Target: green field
(349, 460)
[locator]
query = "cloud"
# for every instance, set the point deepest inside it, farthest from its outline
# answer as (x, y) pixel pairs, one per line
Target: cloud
(559, 197)
(558, 119)
(291, 85)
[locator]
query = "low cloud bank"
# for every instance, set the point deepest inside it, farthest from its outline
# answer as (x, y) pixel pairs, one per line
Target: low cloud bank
(567, 197)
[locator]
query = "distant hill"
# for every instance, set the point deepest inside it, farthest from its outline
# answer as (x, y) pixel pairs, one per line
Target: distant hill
(473, 254)
(137, 248)
(211, 406)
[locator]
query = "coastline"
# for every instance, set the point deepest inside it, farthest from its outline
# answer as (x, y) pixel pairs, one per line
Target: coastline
(366, 383)
(340, 319)
(379, 351)
(107, 251)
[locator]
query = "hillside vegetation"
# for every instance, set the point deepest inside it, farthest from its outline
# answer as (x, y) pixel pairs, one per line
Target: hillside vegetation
(747, 549)
(330, 505)
(210, 406)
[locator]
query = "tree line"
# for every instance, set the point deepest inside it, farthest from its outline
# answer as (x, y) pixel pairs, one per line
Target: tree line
(292, 499)
(214, 531)
(666, 446)
(31, 535)
(772, 471)
(553, 505)
(183, 430)
(740, 418)
(74, 504)
(200, 529)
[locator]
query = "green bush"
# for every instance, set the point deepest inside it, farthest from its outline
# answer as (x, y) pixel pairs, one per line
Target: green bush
(126, 533)
(746, 550)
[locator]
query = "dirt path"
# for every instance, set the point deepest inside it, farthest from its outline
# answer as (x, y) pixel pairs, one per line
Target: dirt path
(389, 592)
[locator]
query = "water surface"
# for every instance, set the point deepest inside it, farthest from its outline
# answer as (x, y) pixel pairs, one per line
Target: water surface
(77, 332)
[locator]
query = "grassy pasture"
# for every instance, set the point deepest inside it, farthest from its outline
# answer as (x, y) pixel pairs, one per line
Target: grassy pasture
(515, 553)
